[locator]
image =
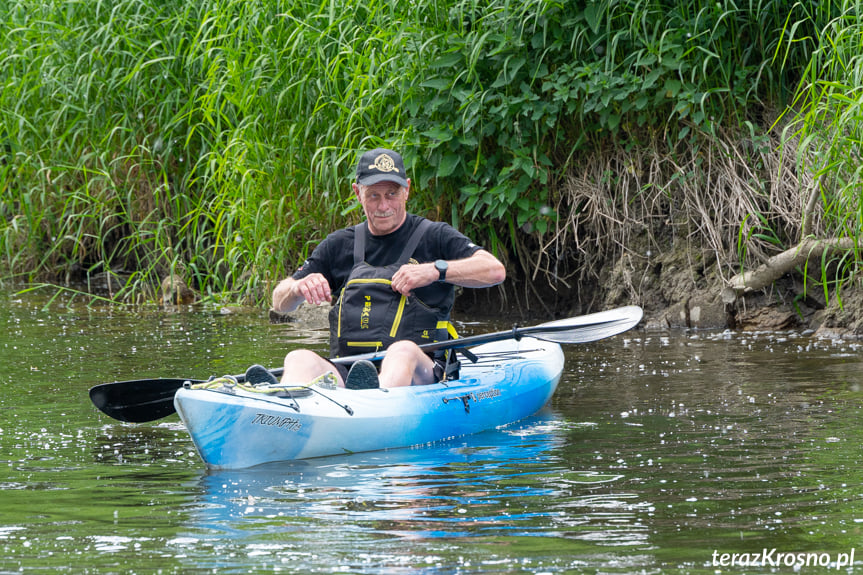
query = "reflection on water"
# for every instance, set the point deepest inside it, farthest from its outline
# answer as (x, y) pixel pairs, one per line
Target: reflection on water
(496, 488)
(443, 490)
(656, 451)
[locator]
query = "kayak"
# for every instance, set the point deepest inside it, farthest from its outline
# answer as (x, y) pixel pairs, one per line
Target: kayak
(237, 428)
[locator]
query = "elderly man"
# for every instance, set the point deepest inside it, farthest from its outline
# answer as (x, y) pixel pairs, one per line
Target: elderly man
(393, 279)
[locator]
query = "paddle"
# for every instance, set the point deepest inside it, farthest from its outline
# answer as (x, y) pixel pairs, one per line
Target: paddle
(143, 400)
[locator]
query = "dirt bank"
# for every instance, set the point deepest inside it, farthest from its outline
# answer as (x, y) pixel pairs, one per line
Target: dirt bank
(680, 286)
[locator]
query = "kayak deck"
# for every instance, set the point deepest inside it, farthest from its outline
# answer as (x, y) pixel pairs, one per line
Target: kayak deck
(511, 380)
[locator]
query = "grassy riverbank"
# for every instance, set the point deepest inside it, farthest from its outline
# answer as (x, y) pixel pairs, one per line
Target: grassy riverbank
(217, 139)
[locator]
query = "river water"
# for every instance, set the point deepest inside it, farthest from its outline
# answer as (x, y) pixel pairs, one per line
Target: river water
(691, 452)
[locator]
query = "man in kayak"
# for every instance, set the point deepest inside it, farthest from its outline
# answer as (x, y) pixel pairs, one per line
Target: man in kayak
(393, 279)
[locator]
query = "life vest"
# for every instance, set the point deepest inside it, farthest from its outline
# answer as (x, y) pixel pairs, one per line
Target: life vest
(369, 316)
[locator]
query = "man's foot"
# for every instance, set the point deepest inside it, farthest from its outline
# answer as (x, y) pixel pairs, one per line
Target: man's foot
(363, 375)
(257, 375)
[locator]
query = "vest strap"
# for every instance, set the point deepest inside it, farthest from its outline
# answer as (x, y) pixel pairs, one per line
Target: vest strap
(361, 229)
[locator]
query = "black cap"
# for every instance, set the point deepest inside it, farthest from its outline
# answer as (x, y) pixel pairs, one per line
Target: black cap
(381, 165)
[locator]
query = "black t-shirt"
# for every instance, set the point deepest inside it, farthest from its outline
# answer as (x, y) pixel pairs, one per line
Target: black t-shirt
(334, 257)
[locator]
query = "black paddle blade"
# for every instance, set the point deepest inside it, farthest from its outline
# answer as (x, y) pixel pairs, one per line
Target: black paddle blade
(137, 401)
(143, 400)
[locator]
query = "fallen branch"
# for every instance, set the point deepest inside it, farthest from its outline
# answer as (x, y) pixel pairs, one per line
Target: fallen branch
(781, 264)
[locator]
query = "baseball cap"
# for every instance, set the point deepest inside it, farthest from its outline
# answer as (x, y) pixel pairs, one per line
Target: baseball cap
(381, 165)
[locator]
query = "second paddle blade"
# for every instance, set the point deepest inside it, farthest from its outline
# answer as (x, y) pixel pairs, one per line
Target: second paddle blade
(591, 327)
(137, 401)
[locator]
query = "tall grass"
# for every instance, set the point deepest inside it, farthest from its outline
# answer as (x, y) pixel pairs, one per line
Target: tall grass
(827, 121)
(212, 136)
(217, 138)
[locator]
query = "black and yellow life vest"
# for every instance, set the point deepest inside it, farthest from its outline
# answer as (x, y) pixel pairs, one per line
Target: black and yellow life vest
(369, 316)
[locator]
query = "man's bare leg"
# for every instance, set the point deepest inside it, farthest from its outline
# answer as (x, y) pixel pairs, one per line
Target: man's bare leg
(406, 364)
(304, 365)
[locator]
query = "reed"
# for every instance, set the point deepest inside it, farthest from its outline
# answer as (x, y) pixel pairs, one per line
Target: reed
(216, 139)
(826, 122)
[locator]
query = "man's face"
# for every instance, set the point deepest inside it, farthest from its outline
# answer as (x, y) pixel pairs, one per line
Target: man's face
(384, 204)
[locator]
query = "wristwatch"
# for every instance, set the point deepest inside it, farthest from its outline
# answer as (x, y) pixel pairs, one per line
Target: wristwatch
(441, 267)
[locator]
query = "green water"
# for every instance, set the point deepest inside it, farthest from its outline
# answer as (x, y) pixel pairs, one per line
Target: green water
(659, 453)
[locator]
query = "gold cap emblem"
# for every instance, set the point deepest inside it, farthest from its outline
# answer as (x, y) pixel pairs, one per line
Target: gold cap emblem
(384, 163)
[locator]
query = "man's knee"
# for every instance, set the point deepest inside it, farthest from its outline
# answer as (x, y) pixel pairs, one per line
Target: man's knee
(301, 356)
(404, 348)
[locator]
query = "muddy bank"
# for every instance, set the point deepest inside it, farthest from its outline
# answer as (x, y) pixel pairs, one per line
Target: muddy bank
(681, 287)
(678, 284)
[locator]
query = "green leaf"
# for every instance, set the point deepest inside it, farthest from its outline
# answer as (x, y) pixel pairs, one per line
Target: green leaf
(501, 210)
(447, 165)
(440, 133)
(436, 84)
(447, 60)
(671, 88)
(593, 14)
(509, 71)
(470, 203)
(651, 79)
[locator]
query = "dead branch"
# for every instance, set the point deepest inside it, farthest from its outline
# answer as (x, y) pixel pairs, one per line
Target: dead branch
(783, 263)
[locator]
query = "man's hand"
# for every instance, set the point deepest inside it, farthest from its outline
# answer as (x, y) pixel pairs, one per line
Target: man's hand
(412, 276)
(314, 288)
(477, 271)
(290, 293)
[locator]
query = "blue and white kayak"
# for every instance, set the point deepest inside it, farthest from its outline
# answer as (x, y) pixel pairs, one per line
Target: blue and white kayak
(510, 381)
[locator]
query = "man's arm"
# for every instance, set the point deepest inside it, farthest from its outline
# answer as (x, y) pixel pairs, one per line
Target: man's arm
(290, 293)
(480, 270)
